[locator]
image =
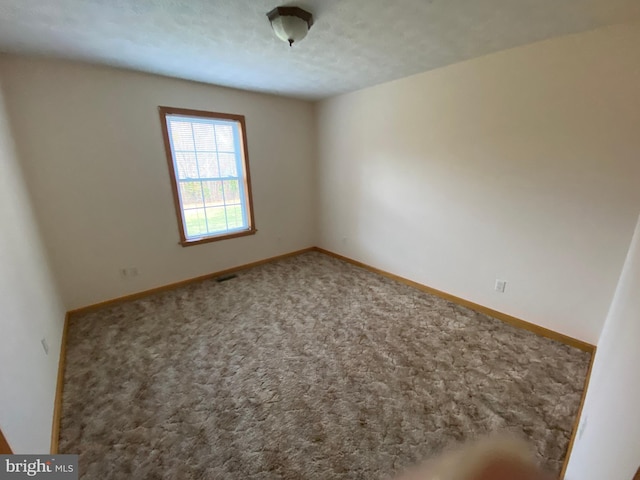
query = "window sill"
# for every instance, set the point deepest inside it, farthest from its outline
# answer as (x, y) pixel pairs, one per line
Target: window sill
(243, 233)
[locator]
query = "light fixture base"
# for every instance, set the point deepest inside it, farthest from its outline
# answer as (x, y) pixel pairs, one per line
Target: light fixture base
(290, 24)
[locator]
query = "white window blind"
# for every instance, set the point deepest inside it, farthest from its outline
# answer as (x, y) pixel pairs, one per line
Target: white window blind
(210, 175)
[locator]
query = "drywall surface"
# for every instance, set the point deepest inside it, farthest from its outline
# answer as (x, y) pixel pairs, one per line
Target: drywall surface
(608, 442)
(30, 309)
(94, 160)
(521, 166)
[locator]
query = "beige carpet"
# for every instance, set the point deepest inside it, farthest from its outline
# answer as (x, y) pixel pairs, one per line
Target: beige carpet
(305, 368)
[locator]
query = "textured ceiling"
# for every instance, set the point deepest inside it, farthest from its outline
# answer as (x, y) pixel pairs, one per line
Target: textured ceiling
(353, 43)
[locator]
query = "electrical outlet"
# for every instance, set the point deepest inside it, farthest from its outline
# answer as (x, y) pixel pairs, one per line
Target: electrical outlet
(129, 272)
(583, 427)
(500, 285)
(45, 346)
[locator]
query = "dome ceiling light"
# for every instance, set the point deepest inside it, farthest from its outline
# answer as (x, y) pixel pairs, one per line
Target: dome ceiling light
(290, 24)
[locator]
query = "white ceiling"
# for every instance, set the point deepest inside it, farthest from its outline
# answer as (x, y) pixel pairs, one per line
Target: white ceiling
(353, 44)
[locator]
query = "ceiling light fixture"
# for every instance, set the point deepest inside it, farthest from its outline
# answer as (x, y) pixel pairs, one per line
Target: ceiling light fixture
(290, 24)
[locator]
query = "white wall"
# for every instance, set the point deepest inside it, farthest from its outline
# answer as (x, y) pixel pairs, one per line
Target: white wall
(30, 309)
(94, 160)
(608, 443)
(521, 165)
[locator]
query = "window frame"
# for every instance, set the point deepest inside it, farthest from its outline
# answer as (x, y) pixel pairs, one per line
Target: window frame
(242, 130)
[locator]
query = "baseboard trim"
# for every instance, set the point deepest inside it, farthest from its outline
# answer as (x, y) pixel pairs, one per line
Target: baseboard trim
(182, 283)
(57, 405)
(5, 449)
(516, 322)
(545, 332)
(511, 320)
(576, 424)
(57, 408)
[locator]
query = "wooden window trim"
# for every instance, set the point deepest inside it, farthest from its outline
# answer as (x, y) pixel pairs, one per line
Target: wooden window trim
(184, 241)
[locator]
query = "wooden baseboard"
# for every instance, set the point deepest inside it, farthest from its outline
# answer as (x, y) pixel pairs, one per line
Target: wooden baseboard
(57, 405)
(545, 332)
(182, 283)
(57, 408)
(5, 449)
(516, 322)
(587, 347)
(576, 423)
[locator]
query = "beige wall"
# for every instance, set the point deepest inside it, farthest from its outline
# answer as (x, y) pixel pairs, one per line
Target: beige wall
(30, 309)
(522, 165)
(95, 164)
(608, 443)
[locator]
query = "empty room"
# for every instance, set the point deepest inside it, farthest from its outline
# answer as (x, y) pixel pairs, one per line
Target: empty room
(325, 239)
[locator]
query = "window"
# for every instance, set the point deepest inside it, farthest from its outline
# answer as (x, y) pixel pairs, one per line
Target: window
(207, 156)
